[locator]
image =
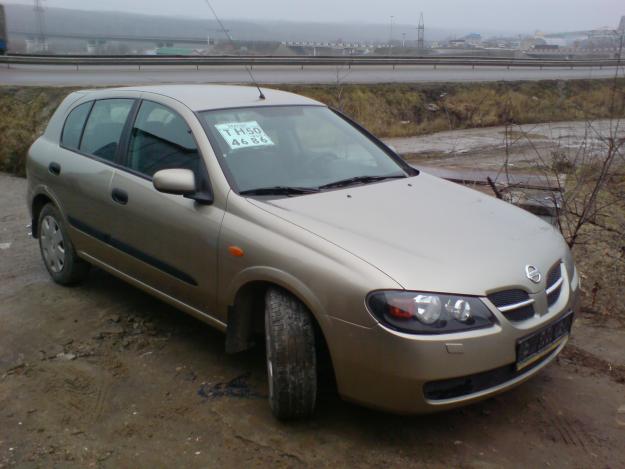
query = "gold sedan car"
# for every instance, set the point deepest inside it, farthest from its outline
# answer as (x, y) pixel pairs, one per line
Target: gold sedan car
(273, 214)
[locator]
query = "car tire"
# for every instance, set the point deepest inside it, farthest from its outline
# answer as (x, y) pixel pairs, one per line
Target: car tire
(57, 250)
(291, 356)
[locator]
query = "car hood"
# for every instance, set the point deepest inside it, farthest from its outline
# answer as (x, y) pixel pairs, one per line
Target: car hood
(429, 234)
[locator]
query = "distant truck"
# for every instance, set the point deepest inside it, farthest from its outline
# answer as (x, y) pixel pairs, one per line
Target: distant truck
(3, 31)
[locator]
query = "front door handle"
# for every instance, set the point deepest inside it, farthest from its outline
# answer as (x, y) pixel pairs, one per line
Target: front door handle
(119, 196)
(54, 168)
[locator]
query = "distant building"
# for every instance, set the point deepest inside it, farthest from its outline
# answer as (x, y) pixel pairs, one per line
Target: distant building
(457, 44)
(621, 26)
(604, 33)
(527, 43)
(546, 47)
(473, 39)
(555, 41)
(178, 51)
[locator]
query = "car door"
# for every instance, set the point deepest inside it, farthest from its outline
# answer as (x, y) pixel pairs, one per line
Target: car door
(166, 241)
(82, 170)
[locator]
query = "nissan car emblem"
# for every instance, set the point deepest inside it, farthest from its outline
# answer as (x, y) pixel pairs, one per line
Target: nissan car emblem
(533, 273)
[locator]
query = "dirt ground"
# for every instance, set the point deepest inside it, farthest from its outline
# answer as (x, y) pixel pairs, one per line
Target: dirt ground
(103, 375)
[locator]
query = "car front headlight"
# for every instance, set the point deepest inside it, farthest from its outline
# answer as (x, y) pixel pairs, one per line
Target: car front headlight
(429, 313)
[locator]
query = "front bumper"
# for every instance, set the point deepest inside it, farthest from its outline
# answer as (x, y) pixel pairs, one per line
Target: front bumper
(398, 372)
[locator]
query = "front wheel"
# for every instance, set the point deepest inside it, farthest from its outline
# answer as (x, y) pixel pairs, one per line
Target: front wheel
(291, 356)
(57, 250)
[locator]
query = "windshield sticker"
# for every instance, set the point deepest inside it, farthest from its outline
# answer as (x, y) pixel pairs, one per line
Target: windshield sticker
(243, 134)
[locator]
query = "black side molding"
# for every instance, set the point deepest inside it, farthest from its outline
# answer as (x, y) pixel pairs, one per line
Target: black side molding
(132, 251)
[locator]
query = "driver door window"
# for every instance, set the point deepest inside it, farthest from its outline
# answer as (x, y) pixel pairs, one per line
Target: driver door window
(161, 139)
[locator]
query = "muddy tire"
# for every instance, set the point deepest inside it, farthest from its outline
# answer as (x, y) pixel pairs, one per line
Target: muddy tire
(57, 250)
(291, 356)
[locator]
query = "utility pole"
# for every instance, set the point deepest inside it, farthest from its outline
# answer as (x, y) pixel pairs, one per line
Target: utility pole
(421, 34)
(41, 25)
(391, 41)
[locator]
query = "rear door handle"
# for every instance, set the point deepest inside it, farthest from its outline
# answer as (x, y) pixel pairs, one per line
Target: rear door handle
(54, 168)
(119, 196)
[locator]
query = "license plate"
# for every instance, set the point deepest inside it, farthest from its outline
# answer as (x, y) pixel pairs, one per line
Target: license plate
(537, 345)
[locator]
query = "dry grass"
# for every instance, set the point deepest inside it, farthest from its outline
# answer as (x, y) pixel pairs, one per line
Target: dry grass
(602, 265)
(405, 110)
(25, 113)
(600, 253)
(390, 110)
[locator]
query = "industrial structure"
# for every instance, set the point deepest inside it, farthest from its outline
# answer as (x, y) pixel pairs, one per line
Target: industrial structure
(41, 42)
(421, 33)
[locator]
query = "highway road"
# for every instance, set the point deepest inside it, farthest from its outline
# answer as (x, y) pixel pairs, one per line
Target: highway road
(53, 75)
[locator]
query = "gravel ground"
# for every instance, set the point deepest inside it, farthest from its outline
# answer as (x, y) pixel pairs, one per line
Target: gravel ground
(103, 375)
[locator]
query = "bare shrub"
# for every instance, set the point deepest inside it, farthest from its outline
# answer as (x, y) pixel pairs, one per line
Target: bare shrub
(589, 198)
(560, 162)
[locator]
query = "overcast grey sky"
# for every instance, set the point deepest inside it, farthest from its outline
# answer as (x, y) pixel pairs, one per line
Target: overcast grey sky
(479, 15)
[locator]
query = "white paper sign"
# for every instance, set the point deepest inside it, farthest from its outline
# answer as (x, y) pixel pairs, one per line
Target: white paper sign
(243, 134)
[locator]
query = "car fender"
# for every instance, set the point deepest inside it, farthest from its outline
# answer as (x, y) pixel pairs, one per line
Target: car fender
(281, 278)
(42, 190)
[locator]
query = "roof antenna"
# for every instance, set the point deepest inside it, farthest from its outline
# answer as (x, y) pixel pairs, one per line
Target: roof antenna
(221, 25)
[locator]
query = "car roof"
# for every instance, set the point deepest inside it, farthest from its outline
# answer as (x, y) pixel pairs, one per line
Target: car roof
(208, 97)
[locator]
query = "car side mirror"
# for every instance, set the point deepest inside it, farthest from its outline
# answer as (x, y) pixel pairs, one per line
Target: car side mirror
(175, 181)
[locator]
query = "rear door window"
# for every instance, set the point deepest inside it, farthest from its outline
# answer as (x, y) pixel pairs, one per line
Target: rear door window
(161, 139)
(74, 124)
(104, 127)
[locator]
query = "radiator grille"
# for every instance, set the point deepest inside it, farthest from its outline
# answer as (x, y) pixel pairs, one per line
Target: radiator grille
(554, 284)
(514, 304)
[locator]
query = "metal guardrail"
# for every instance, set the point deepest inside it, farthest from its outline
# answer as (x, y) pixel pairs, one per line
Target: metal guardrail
(77, 61)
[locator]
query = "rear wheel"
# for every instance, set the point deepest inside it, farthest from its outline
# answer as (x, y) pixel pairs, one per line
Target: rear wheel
(291, 356)
(57, 250)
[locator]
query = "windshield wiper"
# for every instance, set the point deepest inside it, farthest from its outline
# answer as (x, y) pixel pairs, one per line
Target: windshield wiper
(359, 180)
(280, 190)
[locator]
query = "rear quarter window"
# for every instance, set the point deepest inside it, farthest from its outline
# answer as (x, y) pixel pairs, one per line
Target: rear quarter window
(104, 127)
(75, 122)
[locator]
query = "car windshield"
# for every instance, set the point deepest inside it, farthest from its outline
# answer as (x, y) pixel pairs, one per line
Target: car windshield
(294, 149)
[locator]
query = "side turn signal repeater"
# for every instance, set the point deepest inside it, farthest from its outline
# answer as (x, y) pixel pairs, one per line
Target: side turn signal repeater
(236, 251)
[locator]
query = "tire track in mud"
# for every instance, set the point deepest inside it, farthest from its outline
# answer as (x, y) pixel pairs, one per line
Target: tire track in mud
(581, 357)
(280, 454)
(572, 432)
